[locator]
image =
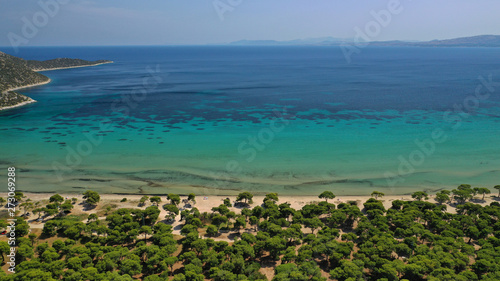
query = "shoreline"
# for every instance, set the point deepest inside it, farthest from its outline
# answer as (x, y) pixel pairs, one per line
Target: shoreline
(29, 101)
(123, 185)
(46, 195)
(217, 193)
(28, 86)
(68, 67)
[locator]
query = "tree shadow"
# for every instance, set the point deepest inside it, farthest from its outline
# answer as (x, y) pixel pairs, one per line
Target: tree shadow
(268, 262)
(35, 220)
(44, 236)
(323, 264)
(167, 221)
(234, 235)
(212, 236)
(85, 239)
(88, 207)
(241, 205)
(178, 271)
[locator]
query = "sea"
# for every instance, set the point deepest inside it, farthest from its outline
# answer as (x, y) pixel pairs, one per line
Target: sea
(296, 120)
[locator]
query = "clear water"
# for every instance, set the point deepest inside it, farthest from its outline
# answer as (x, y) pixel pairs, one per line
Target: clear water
(182, 119)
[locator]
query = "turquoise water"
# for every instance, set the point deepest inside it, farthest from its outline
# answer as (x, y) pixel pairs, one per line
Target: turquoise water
(292, 120)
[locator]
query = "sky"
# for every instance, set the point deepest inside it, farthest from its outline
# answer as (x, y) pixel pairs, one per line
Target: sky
(174, 22)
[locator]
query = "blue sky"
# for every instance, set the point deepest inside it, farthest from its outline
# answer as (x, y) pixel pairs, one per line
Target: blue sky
(165, 22)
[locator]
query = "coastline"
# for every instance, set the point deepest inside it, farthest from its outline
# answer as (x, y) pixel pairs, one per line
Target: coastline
(30, 100)
(28, 86)
(68, 67)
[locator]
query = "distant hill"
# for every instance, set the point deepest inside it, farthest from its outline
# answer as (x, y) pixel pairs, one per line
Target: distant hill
(17, 73)
(308, 41)
(474, 41)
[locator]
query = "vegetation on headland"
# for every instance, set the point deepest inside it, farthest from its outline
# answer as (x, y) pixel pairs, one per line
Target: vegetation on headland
(16, 72)
(61, 63)
(412, 240)
(9, 99)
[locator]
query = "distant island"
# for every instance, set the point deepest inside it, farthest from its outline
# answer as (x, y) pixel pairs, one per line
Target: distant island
(17, 73)
(473, 41)
(308, 41)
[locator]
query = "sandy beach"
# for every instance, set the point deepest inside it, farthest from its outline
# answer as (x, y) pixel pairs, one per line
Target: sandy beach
(205, 204)
(57, 68)
(19, 104)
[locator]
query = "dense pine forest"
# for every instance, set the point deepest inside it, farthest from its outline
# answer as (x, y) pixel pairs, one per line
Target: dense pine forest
(245, 240)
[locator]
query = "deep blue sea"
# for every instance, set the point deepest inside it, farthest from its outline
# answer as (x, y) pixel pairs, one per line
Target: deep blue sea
(292, 120)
